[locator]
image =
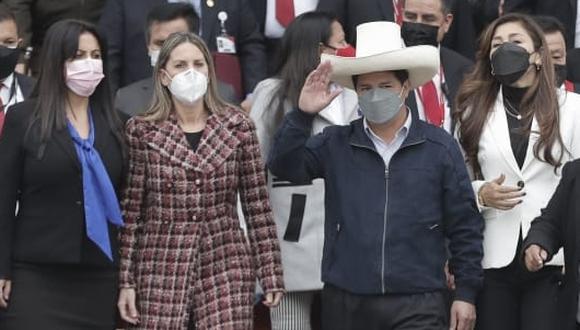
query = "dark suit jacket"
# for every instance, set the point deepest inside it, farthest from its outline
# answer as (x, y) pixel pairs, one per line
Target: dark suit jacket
(351, 13)
(455, 67)
(123, 22)
(135, 98)
(559, 226)
(47, 183)
(573, 64)
(564, 10)
(26, 84)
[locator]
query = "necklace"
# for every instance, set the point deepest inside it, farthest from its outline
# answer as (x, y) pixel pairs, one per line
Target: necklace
(515, 114)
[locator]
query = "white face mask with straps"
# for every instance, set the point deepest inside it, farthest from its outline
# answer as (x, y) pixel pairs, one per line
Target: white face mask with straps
(188, 86)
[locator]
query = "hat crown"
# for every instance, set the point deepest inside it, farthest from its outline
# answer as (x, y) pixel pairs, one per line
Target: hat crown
(375, 38)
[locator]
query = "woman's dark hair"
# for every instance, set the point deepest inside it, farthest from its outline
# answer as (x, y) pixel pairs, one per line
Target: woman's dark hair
(478, 93)
(51, 92)
(299, 54)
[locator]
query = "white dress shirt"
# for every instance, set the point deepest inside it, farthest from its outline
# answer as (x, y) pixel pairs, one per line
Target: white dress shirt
(388, 149)
(273, 28)
(10, 92)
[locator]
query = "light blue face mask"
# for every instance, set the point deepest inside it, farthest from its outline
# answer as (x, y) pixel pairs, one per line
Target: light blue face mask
(379, 105)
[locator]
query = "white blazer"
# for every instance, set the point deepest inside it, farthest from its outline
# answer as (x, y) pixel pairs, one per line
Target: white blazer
(301, 259)
(495, 157)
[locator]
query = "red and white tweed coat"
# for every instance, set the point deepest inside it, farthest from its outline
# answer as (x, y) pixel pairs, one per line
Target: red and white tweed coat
(182, 247)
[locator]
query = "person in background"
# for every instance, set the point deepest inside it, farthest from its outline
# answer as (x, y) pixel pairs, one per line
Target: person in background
(63, 162)
(397, 193)
(35, 17)
(162, 21)
(123, 22)
(517, 129)
(299, 209)
(559, 227)
(14, 87)
(555, 34)
(425, 22)
(566, 11)
(274, 16)
(186, 263)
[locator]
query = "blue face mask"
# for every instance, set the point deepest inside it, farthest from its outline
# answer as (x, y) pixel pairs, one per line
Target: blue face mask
(379, 105)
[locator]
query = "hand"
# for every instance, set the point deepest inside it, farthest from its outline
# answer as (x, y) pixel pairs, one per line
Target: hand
(501, 197)
(272, 299)
(462, 316)
(127, 305)
(5, 288)
(316, 94)
(246, 105)
(450, 277)
(535, 257)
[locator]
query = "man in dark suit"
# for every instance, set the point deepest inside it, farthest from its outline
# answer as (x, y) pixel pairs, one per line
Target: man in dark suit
(573, 63)
(566, 11)
(555, 32)
(14, 87)
(425, 22)
(123, 22)
(162, 21)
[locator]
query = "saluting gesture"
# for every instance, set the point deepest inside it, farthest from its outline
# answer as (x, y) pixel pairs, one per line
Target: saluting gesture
(316, 94)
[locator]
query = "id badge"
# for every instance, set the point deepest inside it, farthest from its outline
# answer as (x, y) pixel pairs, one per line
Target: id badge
(226, 45)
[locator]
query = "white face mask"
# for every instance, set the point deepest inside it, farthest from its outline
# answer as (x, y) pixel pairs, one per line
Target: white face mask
(188, 86)
(154, 56)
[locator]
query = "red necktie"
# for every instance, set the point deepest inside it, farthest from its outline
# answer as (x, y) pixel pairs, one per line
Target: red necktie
(1, 111)
(398, 9)
(432, 106)
(569, 85)
(285, 12)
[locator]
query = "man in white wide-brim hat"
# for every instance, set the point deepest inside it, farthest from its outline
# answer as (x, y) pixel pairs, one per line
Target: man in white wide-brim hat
(396, 190)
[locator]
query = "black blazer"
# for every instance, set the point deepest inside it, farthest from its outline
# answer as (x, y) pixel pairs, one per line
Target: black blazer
(49, 227)
(455, 67)
(351, 13)
(573, 64)
(564, 10)
(559, 226)
(123, 22)
(26, 84)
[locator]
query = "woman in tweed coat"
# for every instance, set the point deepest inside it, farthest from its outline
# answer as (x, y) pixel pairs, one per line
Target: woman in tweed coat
(185, 261)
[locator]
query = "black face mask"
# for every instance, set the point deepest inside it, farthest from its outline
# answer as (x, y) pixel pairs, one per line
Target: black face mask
(416, 34)
(509, 63)
(561, 74)
(8, 60)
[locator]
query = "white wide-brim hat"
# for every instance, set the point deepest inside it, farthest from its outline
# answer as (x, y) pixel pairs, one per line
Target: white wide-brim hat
(379, 48)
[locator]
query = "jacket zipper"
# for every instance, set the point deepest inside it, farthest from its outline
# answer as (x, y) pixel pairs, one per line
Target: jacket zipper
(385, 218)
(383, 286)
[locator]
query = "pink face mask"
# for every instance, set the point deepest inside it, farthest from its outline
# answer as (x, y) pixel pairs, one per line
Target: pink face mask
(83, 76)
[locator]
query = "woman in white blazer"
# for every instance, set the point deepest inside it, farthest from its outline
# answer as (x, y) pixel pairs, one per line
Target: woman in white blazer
(299, 210)
(517, 130)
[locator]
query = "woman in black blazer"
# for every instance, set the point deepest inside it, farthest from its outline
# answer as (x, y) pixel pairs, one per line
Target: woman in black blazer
(61, 166)
(559, 226)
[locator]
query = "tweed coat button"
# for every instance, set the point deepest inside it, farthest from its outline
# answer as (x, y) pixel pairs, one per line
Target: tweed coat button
(168, 185)
(197, 182)
(193, 217)
(165, 222)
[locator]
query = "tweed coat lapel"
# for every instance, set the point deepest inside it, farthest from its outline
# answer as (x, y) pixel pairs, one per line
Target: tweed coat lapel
(217, 143)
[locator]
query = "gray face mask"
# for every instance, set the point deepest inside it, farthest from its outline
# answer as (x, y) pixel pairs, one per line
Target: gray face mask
(379, 105)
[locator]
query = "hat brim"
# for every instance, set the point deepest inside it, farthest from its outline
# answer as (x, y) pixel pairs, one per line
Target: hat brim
(421, 62)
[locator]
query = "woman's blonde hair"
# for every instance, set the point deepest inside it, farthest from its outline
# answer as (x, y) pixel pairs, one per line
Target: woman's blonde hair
(162, 103)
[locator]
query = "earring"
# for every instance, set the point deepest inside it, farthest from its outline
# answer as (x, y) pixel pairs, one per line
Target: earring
(538, 67)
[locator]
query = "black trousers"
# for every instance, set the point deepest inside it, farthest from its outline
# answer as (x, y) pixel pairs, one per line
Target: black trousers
(514, 299)
(342, 310)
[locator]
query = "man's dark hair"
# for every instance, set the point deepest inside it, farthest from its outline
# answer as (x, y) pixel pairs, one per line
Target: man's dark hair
(169, 12)
(6, 14)
(446, 5)
(401, 75)
(550, 24)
